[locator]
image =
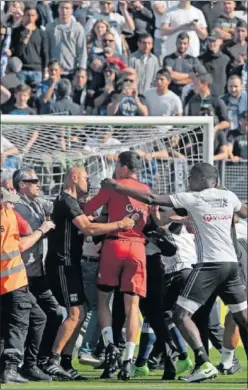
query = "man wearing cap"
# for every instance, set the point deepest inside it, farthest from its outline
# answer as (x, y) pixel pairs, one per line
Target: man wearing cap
(16, 299)
(35, 212)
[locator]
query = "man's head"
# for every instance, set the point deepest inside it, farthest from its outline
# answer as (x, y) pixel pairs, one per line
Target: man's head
(145, 44)
(203, 176)
(26, 182)
(244, 121)
(106, 6)
(241, 31)
(22, 95)
(163, 80)
(14, 65)
(80, 78)
(30, 15)
(128, 164)
(214, 43)
(65, 11)
(108, 41)
(7, 199)
(235, 86)
(64, 88)
(54, 69)
(228, 6)
(76, 179)
(203, 83)
(182, 43)
(184, 3)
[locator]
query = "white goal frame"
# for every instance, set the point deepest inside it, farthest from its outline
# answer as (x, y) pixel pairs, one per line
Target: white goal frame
(206, 122)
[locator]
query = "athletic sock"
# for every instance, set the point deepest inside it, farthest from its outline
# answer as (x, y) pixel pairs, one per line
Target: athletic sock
(66, 362)
(179, 341)
(227, 357)
(201, 356)
(147, 340)
(129, 352)
(107, 334)
(55, 357)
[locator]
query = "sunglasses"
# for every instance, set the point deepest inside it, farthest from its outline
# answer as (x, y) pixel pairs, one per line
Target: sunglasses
(128, 81)
(105, 2)
(31, 181)
(108, 40)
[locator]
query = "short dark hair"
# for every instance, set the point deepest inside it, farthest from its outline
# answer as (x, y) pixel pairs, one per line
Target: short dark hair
(241, 23)
(131, 160)
(183, 35)
(208, 171)
(144, 36)
(80, 69)
(53, 61)
(64, 88)
(206, 79)
(29, 7)
(165, 73)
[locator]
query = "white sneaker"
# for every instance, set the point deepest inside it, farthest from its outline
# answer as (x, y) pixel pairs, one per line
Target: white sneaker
(89, 359)
(205, 372)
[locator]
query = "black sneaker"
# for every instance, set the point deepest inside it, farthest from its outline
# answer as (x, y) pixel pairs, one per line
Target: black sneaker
(236, 367)
(56, 371)
(35, 374)
(125, 372)
(112, 355)
(75, 375)
(10, 375)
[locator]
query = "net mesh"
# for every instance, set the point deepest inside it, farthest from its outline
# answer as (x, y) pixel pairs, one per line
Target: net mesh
(167, 152)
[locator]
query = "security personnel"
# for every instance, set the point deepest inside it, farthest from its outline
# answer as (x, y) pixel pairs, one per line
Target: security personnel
(16, 300)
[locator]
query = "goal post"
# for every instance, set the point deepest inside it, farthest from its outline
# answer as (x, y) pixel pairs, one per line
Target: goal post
(168, 146)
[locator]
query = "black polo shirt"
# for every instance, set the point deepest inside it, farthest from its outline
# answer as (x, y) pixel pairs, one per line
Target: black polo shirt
(212, 102)
(238, 139)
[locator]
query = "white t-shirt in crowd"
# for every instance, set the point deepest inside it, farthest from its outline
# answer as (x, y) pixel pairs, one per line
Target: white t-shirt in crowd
(168, 6)
(211, 212)
(163, 105)
(179, 17)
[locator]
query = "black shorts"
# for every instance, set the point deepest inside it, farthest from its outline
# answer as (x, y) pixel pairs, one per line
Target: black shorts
(67, 285)
(173, 285)
(220, 279)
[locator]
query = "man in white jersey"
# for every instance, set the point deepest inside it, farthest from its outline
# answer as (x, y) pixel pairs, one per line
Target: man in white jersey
(216, 273)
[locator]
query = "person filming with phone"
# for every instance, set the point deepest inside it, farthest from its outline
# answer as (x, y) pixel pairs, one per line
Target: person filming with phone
(125, 100)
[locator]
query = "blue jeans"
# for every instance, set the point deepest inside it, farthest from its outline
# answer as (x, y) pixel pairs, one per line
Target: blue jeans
(91, 337)
(30, 77)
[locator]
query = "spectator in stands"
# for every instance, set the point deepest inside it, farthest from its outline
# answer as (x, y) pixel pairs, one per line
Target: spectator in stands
(95, 38)
(123, 22)
(67, 41)
(238, 44)
(14, 14)
(22, 96)
(235, 100)
(211, 10)
(8, 150)
(203, 101)
(185, 19)
(141, 11)
(103, 95)
(80, 95)
(47, 90)
(226, 23)
(10, 81)
(45, 13)
(180, 64)
(216, 64)
(145, 63)
(29, 43)
(242, 71)
(237, 140)
(188, 90)
(64, 104)
(126, 101)
(87, 10)
(160, 100)
(4, 47)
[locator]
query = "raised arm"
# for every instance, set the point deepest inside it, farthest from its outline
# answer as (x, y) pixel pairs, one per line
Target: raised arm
(145, 197)
(98, 229)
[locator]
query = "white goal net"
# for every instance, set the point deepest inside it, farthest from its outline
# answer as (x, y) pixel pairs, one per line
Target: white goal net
(168, 147)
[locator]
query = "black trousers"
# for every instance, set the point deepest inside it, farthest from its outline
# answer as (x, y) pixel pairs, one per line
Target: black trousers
(22, 328)
(48, 303)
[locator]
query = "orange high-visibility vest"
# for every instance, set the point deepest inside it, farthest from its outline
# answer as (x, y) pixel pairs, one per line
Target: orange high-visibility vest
(12, 269)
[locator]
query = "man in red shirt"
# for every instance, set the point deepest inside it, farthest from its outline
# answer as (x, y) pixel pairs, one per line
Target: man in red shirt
(123, 261)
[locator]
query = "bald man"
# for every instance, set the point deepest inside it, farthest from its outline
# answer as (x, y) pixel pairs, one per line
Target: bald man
(63, 266)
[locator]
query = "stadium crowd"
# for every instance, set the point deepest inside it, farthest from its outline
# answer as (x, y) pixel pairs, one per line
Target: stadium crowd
(68, 269)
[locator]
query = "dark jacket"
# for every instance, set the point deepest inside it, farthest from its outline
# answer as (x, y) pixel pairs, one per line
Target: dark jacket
(64, 106)
(34, 55)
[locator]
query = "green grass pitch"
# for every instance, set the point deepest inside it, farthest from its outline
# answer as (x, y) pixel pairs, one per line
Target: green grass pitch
(153, 382)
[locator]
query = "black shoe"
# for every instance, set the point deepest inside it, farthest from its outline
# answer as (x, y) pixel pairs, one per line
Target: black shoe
(236, 367)
(168, 376)
(10, 375)
(35, 374)
(125, 372)
(154, 363)
(75, 375)
(56, 371)
(112, 355)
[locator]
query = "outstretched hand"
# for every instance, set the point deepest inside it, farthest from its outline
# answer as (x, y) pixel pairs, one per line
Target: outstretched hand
(109, 184)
